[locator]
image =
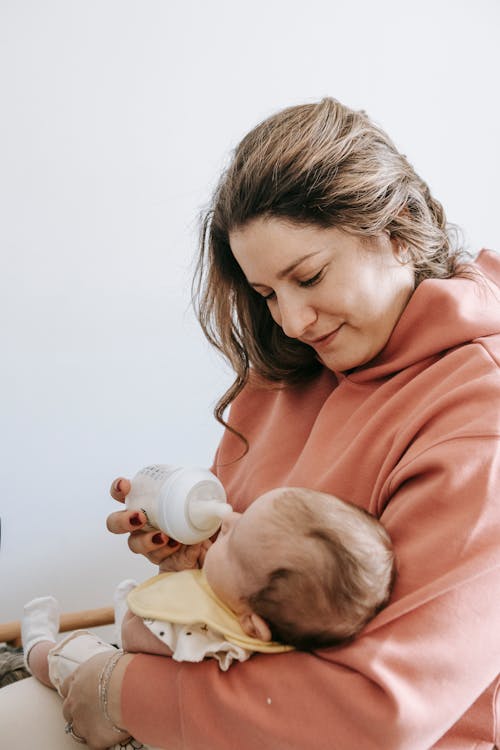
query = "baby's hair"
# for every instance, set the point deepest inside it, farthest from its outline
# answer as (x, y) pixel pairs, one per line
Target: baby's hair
(337, 573)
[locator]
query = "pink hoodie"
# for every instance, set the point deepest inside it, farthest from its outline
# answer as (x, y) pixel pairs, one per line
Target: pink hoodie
(414, 438)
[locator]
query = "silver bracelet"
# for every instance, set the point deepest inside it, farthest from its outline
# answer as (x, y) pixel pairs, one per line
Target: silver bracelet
(104, 680)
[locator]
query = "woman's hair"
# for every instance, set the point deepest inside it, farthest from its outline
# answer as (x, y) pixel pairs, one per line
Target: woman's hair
(319, 164)
(337, 571)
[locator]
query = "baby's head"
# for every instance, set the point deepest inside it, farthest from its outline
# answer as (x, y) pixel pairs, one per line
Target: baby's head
(301, 567)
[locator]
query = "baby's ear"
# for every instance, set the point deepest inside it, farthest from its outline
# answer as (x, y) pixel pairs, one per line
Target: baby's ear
(254, 626)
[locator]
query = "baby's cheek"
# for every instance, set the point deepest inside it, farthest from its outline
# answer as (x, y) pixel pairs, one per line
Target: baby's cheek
(210, 564)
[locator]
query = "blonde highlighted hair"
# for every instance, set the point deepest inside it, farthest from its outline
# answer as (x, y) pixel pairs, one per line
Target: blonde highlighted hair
(317, 164)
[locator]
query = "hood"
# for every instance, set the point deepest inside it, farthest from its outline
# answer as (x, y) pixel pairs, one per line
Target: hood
(441, 314)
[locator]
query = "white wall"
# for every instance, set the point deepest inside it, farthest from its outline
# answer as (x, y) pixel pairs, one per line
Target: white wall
(116, 118)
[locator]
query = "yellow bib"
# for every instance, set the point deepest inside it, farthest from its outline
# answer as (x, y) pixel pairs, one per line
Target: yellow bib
(186, 598)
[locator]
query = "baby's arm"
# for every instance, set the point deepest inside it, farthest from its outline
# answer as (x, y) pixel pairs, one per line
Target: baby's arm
(38, 661)
(137, 638)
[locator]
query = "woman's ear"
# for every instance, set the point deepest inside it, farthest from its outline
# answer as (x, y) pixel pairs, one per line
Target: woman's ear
(254, 626)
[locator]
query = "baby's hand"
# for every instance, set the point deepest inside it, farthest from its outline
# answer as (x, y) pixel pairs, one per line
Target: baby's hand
(186, 557)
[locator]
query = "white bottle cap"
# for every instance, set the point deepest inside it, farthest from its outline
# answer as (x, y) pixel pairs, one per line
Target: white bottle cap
(191, 505)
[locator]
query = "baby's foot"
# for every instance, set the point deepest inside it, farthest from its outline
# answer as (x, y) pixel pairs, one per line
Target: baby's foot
(40, 623)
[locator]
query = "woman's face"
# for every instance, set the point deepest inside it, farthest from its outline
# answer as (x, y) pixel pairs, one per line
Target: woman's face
(334, 291)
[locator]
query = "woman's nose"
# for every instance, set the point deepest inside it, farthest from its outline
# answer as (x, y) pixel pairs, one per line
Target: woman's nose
(295, 317)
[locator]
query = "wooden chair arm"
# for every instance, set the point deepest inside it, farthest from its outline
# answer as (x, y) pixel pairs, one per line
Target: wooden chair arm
(10, 632)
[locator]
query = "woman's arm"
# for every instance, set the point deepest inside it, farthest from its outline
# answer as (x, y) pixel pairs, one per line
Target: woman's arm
(406, 681)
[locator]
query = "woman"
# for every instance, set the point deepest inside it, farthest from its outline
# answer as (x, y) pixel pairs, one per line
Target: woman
(366, 356)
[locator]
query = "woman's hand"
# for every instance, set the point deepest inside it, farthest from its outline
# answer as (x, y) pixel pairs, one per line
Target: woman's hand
(169, 554)
(81, 706)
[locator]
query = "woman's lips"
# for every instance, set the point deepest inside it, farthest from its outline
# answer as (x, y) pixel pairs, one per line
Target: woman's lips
(322, 342)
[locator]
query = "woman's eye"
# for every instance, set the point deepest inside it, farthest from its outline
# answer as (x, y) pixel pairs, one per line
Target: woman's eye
(313, 280)
(306, 283)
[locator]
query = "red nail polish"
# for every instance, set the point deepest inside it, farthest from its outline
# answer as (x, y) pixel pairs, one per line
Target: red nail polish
(158, 539)
(135, 520)
(172, 543)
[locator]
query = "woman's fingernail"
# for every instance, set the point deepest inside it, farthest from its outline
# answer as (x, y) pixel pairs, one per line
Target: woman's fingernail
(158, 539)
(172, 543)
(135, 520)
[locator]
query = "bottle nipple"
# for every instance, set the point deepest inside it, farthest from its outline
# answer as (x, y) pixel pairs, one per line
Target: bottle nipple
(203, 513)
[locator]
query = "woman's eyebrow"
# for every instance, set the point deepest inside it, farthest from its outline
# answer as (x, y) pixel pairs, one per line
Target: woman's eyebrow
(288, 270)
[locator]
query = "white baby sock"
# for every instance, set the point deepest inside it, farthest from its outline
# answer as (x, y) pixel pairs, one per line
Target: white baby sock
(40, 623)
(120, 605)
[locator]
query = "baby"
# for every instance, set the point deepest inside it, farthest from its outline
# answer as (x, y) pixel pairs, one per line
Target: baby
(298, 569)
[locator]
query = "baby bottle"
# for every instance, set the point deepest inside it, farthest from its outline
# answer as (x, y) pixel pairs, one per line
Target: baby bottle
(188, 504)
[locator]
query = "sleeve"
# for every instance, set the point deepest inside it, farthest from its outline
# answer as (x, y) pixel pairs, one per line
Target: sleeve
(412, 674)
